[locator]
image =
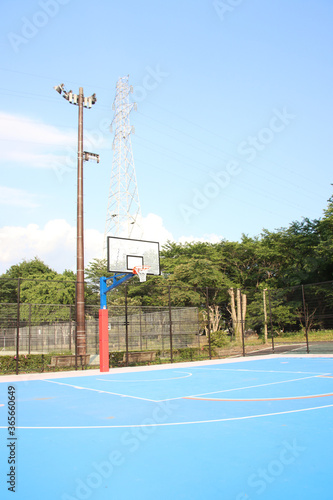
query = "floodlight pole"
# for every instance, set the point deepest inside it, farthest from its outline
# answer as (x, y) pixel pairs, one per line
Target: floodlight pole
(80, 319)
(80, 101)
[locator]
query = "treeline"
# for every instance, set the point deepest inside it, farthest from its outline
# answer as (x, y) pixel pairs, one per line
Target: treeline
(299, 254)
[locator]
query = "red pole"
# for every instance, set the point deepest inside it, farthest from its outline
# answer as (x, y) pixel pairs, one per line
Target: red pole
(103, 340)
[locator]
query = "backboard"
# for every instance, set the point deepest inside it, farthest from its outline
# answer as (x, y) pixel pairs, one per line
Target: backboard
(123, 254)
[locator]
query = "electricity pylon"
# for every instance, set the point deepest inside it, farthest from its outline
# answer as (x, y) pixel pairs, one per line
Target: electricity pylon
(123, 216)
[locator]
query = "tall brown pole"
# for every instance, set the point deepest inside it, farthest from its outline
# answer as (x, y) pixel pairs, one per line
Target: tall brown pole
(80, 319)
(80, 100)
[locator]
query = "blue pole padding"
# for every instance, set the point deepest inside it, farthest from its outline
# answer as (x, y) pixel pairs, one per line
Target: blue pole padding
(117, 280)
(103, 286)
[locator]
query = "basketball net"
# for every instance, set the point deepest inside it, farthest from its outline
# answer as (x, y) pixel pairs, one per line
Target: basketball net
(141, 271)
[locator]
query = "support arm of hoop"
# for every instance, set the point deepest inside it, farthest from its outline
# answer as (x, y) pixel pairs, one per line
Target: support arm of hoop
(117, 280)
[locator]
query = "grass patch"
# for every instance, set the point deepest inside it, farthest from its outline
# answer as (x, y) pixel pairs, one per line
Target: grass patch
(313, 335)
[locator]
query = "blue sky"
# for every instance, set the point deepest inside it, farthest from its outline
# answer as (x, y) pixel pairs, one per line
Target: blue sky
(233, 130)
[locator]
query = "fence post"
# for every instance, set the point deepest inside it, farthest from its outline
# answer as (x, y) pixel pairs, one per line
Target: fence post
(265, 316)
(170, 324)
(70, 329)
(97, 335)
(140, 313)
(18, 326)
(29, 349)
(208, 324)
(199, 346)
(306, 321)
(271, 321)
(242, 322)
(126, 325)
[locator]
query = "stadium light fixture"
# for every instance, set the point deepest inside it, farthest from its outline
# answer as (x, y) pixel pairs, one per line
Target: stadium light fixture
(80, 101)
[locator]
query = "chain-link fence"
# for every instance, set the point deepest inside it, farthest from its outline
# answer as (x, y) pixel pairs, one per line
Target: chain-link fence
(37, 333)
(180, 323)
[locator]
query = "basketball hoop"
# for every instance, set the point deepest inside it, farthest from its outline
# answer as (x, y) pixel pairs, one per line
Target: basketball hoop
(141, 271)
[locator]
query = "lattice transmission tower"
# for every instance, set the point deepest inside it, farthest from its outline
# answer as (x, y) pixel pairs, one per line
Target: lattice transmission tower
(123, 216)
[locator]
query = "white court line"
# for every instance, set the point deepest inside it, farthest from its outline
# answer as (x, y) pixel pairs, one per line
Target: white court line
(288, 398)
(98, 390)
(182, 397)
(241, 388)
(247, 417)
(148, 380)
(257, 371)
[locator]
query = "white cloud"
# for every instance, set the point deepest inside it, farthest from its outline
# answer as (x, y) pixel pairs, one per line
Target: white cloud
(32, 143)
(36, 160)
(17, 198)
(33, 132)
(55, 244)
(153, 229)
(206, 238)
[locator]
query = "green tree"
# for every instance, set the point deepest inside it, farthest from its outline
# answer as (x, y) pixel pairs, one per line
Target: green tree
(95, 270)
(51, 289)
(324, 249)
(26, 269)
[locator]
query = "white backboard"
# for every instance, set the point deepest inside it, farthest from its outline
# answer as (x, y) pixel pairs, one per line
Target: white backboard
(125, 253)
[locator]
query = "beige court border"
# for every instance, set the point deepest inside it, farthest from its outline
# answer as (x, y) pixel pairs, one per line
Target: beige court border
(168, 366)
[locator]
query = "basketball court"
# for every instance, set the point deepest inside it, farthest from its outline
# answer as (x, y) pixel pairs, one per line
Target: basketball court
(245, 428)
(237, 429)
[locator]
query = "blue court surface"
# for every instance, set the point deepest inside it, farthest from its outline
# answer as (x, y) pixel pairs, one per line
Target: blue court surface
(247, 429)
